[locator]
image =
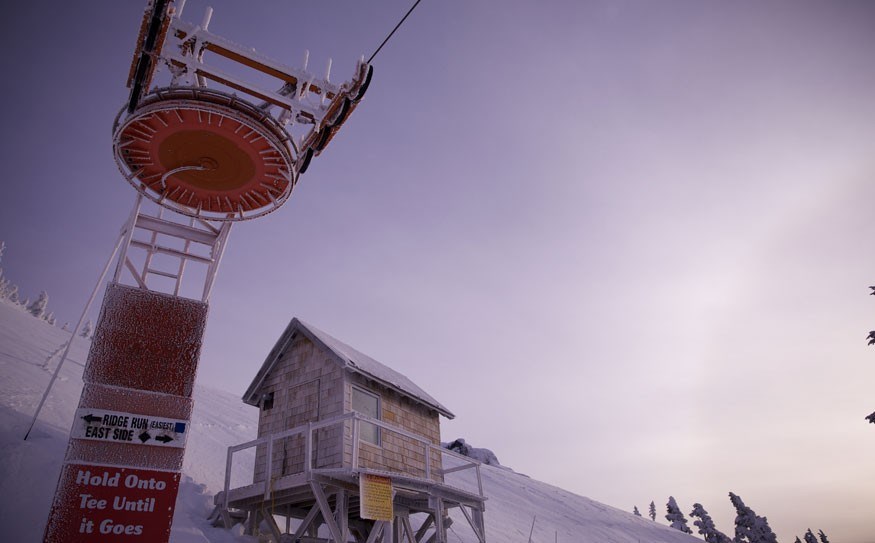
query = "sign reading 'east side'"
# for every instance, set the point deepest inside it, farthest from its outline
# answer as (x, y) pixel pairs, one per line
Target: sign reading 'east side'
(116, 427)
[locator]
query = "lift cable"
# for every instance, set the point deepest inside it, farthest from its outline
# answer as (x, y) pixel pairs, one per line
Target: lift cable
(394, 29)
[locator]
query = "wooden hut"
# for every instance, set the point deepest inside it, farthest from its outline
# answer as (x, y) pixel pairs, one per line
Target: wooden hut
(334, 423)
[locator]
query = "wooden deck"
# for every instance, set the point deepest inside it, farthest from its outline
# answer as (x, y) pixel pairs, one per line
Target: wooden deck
(328, 498)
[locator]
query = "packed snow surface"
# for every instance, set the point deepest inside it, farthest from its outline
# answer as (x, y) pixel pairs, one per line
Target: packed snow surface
(516, 506)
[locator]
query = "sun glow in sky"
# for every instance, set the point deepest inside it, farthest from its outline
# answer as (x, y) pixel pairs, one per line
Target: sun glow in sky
(627, 243)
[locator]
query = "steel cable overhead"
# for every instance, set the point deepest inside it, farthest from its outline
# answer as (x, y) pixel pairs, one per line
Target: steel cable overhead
(394, 29)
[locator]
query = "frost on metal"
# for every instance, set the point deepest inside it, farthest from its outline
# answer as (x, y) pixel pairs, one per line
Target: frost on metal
(134, 401)
(134, 454)
(146, 340)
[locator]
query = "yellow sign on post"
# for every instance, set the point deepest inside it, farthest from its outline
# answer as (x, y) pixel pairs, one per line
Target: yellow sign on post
(376, 497)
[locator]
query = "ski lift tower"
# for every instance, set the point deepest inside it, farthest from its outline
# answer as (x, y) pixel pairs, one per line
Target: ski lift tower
(204, 149)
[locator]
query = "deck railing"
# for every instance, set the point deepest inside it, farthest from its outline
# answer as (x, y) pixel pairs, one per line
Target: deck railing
(460, 463)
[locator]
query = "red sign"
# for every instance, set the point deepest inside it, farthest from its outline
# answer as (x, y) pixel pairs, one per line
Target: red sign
(134, 411)
(102, 503)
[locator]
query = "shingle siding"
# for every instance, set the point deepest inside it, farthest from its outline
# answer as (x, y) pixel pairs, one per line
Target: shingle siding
(309, 384)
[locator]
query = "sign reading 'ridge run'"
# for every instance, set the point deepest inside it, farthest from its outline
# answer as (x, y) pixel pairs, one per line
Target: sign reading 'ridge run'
(119, 427)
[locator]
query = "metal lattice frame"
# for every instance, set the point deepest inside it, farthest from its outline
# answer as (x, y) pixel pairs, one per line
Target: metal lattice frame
(303, 114)
(156, 230)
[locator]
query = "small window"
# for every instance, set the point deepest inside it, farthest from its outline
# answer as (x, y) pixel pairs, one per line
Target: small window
(267, 401)
(367, 403)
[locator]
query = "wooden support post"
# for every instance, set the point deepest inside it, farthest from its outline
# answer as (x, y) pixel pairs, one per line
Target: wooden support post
(306, 522)
(376, 531)
(341, 513)
(477, 532)
(480, 521)
(272, 525)
(440, 530)
(426, 524)
(327, 515)
(408, 529)
(251, 527)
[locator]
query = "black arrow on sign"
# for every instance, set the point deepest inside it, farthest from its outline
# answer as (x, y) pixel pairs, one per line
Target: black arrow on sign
(165, 439)
(91, 418)
(144, 437)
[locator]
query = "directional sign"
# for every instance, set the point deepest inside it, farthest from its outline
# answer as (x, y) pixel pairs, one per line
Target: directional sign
(116, 427)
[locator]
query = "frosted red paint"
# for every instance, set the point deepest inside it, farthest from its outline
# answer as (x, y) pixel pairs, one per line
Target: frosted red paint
(246, 165)
(143, 360)
(146, 341)
(102, 503)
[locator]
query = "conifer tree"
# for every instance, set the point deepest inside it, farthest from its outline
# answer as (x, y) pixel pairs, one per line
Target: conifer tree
(674, 516)
(652, 512)
(750, 527)
(636, 512)
(706, 526)
(871, 338)
(797, 540)
(822, 535)
(87, 329)
(4, 286)
(13, 294)
(809, 537)
(38, 307)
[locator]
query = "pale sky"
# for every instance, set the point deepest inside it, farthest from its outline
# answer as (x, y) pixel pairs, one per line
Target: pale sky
(627, 243)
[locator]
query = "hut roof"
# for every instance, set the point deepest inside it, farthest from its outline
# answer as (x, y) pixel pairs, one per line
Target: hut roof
(350, 358)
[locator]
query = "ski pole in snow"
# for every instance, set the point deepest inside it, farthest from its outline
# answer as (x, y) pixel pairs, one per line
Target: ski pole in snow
(76, 331)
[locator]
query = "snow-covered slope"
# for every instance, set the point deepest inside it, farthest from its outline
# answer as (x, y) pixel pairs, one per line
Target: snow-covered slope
(29, 469)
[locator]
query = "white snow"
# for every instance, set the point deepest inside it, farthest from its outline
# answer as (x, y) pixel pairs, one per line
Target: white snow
(29, 470)
(484, 456)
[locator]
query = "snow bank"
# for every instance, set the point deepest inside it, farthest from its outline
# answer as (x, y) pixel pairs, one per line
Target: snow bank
(484, 456)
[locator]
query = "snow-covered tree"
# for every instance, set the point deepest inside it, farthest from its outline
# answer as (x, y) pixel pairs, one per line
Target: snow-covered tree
(50, 318)
(810, 537)
(750, 527)
(2, 249)
(66, 327)
(674, 516)
(822, 536)
(38, 307)
(636, 511)
(871, 338)
(87, 329)
(652, 512)
(13, 294)
(797, 540)
(484, 456)
(5, 286)
(706, 526)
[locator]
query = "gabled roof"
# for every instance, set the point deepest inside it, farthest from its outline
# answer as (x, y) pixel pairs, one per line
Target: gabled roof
(350, 358)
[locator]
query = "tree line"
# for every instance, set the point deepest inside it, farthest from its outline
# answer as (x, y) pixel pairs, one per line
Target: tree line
(749, 527)
(39, 308)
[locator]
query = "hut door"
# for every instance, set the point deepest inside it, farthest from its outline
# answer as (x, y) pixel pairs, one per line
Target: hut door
(302, 407)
